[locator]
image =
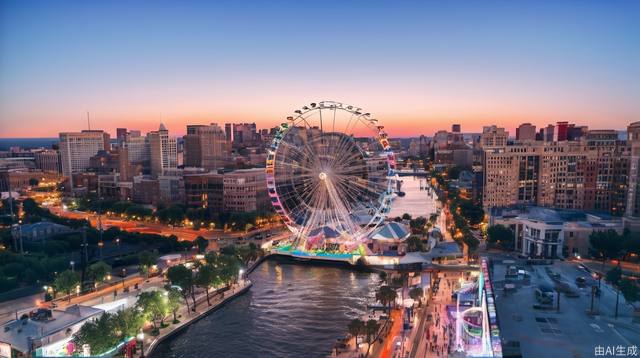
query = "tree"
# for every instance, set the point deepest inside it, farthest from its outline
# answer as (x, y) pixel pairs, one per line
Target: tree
(406, 216)
(66, 282)
(153, 306)
(99, 271)
(182, 277)
(416, 294)
(414, 244)
(454, 172)
(631, 242)
(205, 277)
(228, 268)
(356, 328)
(418, 225)
(629, 290)
(371, 330)
(174, 298)
(383, 276)
(100, 334)
(474, 213)
(501, 235)
(202, 244)
(614, 275)
(33, 182)
(128, 323)
(608, 244)
(386, 296)
(248, 253)
(146, 260)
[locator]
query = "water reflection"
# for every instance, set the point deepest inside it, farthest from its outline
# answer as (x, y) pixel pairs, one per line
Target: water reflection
(416, 202)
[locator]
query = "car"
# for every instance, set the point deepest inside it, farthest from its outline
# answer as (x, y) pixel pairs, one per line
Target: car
(584, 268)
(581, 282)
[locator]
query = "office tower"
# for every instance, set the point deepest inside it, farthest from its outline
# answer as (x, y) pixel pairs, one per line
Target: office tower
(164, 151)
(526, 131)
(228, 131)
(546, 133)
(511, 175)
(77, 148)
(455, 128)
(576, 132)
(48, 161)
(121, 134)
(124, 165)
(560, 133)
(244, 134)
(138, 149)
(632, 210)
(587, 174)
(205, 146)
(245, 191)
(493, 136)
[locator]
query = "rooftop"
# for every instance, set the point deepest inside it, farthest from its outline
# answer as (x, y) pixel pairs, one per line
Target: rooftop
(20, 332)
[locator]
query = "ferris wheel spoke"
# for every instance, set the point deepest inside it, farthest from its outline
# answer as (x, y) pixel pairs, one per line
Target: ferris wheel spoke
(325, 170)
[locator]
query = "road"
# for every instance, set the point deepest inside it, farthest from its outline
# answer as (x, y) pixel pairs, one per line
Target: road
(395, 331)
(147, 227)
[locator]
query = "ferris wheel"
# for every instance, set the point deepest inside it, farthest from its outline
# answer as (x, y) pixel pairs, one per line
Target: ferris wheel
(330, 175)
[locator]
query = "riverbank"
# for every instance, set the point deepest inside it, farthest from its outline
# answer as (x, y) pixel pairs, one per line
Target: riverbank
(188, 318)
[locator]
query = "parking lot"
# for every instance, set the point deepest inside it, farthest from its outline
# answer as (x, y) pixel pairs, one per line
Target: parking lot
(571, 332)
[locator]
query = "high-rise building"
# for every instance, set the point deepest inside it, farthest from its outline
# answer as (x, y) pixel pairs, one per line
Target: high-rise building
(245, 191)
(205, 146)
(77, 148)
(511, 175)
(48, 161)
(526, 131)
(560, 133)
(493, 136)
(632, 209)
(455, 128)
(164, 151)
(589, 174)
(228, 131)
(244, 134)
(138, 149)
(121, 134)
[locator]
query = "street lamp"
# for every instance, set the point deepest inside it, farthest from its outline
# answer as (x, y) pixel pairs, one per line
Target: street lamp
(72, 263)
(140, 338)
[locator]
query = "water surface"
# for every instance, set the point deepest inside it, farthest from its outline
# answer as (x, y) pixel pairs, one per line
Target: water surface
(291, 311)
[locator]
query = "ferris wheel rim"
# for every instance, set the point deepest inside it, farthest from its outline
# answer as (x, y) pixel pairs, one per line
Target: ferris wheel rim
(377, 131)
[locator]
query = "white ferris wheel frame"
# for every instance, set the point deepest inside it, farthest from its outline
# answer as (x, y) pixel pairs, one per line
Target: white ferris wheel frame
(299, 117)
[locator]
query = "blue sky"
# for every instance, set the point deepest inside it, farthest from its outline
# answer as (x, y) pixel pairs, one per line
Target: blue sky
(420, 65)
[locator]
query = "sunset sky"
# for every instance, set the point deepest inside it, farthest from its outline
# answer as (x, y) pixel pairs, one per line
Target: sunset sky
(418, 66)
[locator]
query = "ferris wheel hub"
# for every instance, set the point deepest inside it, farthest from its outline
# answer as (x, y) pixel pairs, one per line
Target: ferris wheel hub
(322, 175)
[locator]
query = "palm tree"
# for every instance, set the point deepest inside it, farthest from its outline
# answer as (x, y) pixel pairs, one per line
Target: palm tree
(386, 295)
(371, 330)
(356, 328)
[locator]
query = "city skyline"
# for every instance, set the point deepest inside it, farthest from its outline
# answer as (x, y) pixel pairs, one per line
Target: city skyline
(136, 66)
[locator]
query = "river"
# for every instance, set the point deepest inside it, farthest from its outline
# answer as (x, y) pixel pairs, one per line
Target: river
(292, 310)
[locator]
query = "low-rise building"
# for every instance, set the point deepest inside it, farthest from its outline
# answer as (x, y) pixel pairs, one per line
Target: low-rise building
(42, 230)
(44, 332)
(549, 233)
